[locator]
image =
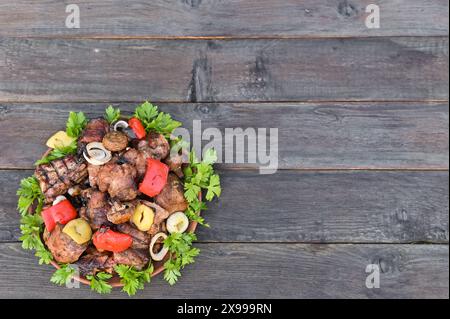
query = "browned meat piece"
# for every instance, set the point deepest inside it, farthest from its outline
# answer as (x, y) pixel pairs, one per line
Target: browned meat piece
(171, 197)
(175, 163)
(94, 131)
(62, 247)
(95, 261)
(118, 181)
(154, 146)
(136, 158)
(140, 239)
(77, 170)
(120, 212)
(96, 209)
(59, 175)
(115, 141)
(133, 257)
(93, 174)
(160, 213)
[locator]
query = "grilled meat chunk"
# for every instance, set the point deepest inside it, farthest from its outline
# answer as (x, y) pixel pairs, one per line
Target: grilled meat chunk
(120, 212)
(154, 146)
(95, 261)
(133, 257)
(96, 209)
(118, 181)
(171, 197)
(59, 175)
(137, 159)
(175, 163)
(94, 131)
(93, 174)
(141, 240)
(62, 247)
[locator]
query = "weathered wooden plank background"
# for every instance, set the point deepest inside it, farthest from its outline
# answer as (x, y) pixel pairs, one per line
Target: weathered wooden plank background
(362, 116)
(411, 135)
(255, 271)
(384, 69)
(231, 18)
(414, 210)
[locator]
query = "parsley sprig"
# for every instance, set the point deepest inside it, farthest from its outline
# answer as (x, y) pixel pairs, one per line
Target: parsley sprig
(181, 254)
(133, 279)
(154, 120)
(31, 225)
(200, 175)
(99, 282)
(29, 192)
(62, 275)
(112, 114)
(75, 124)
(57, 153)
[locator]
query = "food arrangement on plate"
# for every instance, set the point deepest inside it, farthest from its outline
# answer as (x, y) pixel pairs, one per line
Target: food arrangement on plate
(116, 200)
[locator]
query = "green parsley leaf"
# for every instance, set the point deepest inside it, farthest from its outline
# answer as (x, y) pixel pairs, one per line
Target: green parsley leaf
(163, 124)
(62, 275)
(182, 253)
(58, 153)
(146, 112)
(29, 192)
(191, 191)
(171, 271)
(133, 279)
(30, 227)
(45, 256)
(75, 124)
(213, 187)
(99, 282)
(112, 114)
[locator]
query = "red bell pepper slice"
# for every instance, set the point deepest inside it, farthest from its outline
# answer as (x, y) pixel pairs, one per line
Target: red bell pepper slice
(106, 239)
(155, 178)
(137, 127)
(61, 213)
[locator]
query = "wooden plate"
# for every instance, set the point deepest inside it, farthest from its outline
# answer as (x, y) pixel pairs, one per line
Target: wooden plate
(115, 280)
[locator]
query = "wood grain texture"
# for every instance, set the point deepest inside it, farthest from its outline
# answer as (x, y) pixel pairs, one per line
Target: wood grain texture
(384, 69)
(264, 271)
(311, 135)
(234, 18)
(319, 207)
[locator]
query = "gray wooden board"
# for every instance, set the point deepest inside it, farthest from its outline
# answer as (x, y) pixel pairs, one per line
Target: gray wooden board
(236, 18)
(295, 206)
(393, 68)
(334, 135)
(263, 271)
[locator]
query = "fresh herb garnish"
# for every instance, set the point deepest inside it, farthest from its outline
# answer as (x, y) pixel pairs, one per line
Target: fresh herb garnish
(75, 124)
(154, 120)
(58, 153)
(31, 228)
(99, 282)
(133, 279)
(181, 254)
(146, 112)
(163, 124)
(198, 176)
(62, 275)
(112, 114)
(29, 192)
